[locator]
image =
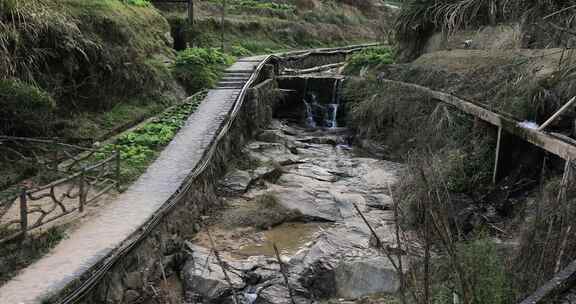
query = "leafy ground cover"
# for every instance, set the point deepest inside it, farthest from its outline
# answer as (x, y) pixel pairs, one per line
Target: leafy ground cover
(140, 147)
(369, 58)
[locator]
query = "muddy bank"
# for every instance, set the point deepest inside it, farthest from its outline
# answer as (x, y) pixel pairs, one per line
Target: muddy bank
(296, 188)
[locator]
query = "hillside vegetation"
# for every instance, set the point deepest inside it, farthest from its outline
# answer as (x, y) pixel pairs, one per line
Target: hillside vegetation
(81, 71)
(543, 23)
(84, 56)
(489, 242)
(254, 26)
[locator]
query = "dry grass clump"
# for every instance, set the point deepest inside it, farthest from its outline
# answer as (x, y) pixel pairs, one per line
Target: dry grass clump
(23, 23)
(548, 240)
(448, 259)
(407, 121)
(376, 109)
(85, 54)
(88, 56)
(419, 19)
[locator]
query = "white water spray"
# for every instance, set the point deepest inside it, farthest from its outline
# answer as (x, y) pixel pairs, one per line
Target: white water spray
(309, 106)
(332, 115)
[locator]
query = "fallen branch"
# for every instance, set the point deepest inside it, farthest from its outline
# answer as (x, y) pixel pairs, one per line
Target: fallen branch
(222, 266)
(284, 274)
(399, 256)
(379, 243)
(559, 11)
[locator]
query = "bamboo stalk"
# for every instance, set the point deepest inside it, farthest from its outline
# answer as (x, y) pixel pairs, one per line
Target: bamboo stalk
(558, 113)
(497, 156)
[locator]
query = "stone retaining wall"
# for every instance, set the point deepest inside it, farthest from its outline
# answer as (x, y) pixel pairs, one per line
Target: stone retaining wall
(161, 255)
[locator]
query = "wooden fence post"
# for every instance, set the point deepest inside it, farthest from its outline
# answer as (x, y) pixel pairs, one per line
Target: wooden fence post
(191, 12)
(23, 213)
(497, 156)
(222, 26)
(117, 173)
(82, 194)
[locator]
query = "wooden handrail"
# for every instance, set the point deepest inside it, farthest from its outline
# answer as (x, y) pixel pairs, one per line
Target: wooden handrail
(555, 145)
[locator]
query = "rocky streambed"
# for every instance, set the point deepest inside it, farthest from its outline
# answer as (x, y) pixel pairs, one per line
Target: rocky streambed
(297, 188)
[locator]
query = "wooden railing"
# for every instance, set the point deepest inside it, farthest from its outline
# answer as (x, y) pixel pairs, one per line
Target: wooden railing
(86, 180)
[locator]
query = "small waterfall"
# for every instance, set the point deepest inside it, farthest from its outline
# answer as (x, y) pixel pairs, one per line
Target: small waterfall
(319, 114)
(332, 108)
(309, 107)
(332, 121)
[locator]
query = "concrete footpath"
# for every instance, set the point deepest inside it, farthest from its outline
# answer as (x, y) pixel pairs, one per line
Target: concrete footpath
(100, 235)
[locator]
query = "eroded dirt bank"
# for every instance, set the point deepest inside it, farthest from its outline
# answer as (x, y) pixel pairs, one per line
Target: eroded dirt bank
(296, 188)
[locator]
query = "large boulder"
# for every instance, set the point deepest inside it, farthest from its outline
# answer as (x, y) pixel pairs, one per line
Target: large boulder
(365, 276)
(203, 275)
(235, 183)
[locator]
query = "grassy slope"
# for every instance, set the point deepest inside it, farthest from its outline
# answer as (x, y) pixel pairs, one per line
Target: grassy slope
(90, 56)
(105, 64)
(262, 29)
(450, 154)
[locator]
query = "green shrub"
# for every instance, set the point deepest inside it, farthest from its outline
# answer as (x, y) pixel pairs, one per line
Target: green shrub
(257, 4)
(485, 268)
(259, 46)
(138, 2)
(199, 68)
(370, 57)
(24, 109)
(240, 51)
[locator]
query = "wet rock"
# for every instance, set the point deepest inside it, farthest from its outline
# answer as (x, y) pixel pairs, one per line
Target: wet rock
(386, 234)
(379, 201)
(373, 148)
(313, 171)
(323, 183)
(203, 276)
(269, 152)
(131, 296)
(379, 178)
(309, 203)
(366, 276)
(272, 136)
(321, 141)
(346, 202)
(319, 278)
(268, 173)
(255, 280)
(338, 264)
(277, 293)
(234, 183)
